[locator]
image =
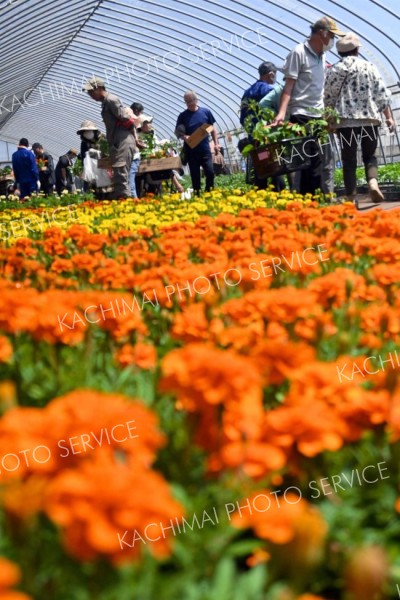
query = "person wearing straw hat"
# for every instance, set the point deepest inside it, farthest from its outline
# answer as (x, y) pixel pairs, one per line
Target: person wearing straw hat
(90, 135)
(64, 179)
(355, 89)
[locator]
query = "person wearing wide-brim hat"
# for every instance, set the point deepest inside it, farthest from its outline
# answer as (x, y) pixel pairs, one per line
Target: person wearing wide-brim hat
(87, 126)
(90, 135)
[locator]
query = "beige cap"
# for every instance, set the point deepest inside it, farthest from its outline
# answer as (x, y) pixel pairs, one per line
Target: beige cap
(329, 25)
(143, 118)
(93, 83)
(87, 126)
(348, 42)
(73, 151)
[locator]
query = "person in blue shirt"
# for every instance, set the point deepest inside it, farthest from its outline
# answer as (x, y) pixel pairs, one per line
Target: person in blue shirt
(259, 89)
(188, 121)
(273, 98)
(25, 169)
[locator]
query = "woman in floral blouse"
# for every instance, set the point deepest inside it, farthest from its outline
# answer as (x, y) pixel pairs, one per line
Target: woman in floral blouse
(355, 89)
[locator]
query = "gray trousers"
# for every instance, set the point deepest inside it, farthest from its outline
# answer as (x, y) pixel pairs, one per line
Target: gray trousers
(121, 158)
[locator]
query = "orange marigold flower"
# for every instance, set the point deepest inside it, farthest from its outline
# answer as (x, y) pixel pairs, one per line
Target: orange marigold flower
(258, 557)
(202, 375)
(394, 415)
(65, 433)
(310, 597)
(314, 426)
(10, 575)
(85, 479)
(277, 359)
(141, 355)
(280, 519)
(254, 458)
(24, 499)
(6, 349)
(8, 393)
(100, 516)
(191, 325)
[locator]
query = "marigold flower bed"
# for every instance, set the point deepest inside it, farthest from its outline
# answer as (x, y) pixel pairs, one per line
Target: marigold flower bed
(201, 400)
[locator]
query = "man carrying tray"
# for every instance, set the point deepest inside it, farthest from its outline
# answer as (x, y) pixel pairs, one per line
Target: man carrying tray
(189, 121)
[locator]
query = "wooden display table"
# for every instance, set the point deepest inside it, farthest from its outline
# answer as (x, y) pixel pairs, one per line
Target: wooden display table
(148, 165)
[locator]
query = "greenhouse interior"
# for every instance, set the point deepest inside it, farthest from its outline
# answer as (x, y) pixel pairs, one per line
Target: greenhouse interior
(184, 193)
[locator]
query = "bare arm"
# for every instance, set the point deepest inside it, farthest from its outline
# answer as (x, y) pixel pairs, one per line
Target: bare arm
(390, 122)
(285, 99)
(215, 140)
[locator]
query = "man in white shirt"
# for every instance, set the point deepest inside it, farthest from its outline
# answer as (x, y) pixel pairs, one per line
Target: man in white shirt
(302, 96)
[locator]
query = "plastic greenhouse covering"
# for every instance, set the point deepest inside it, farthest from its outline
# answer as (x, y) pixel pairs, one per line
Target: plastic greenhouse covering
(152, 51)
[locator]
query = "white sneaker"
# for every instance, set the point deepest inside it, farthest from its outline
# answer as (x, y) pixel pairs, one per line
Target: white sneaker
(374, 191)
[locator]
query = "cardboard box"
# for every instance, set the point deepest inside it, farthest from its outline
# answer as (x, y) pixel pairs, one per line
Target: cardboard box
(159, 164)
(198, 136)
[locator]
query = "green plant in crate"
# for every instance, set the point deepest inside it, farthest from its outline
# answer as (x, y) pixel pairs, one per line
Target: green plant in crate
(258, 126)
(77, 168)
(104, 147)
(5, 172)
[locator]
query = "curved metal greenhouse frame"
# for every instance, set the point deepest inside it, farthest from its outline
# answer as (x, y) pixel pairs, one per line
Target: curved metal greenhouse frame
(154, 50)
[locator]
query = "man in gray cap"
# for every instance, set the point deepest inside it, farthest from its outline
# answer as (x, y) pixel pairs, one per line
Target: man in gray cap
(303, 94)
(120, 132)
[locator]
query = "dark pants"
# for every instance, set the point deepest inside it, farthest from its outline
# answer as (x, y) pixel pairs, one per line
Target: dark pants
(195, 161)
(278, 181)
(310, 180)
(60, 187)
(349, 139)
(45, 186)
(27, 188)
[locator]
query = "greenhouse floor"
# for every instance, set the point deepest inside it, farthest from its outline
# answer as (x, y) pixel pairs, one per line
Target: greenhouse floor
(365, 204)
